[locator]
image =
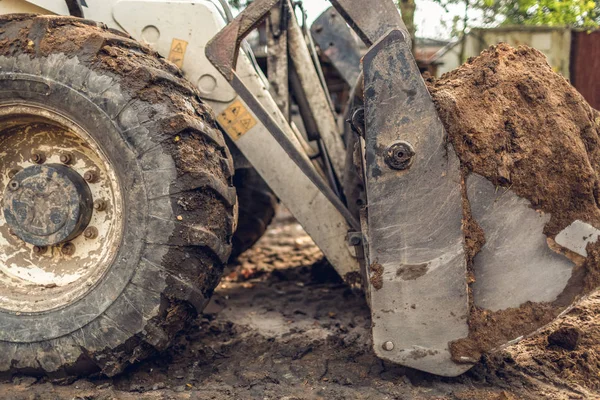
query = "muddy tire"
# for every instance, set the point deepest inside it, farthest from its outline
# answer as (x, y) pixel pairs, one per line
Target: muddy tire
(257, 207)
(164, 174)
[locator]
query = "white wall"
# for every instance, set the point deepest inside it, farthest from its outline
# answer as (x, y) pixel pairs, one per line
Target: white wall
(555, 43)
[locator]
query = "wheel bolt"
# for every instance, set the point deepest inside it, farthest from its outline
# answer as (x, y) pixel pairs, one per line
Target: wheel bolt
(91, 176)
(90, 233)
(13, 185)
(13, 172)
(39, 250)
(100, 205)
(38, 158)
(68, 249)
(66, 158)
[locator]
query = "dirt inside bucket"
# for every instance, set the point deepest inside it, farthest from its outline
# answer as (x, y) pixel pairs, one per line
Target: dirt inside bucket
(513, 120)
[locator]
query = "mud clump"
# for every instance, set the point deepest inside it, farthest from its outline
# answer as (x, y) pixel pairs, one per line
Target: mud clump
(566, 337)
(377, 278)
(513, 120)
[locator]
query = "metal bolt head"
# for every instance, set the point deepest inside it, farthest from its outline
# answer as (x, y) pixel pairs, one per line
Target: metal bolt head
(100, 205)
(68, 249)
(13, 185)
(90, 176)
(39, 250)
(13, 172)
(355, 240)
(38, 157)
(90, 232)
(399, 155)
(66, 158)
(388, 346)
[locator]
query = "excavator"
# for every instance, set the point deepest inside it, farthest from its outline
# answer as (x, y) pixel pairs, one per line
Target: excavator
(142, 145)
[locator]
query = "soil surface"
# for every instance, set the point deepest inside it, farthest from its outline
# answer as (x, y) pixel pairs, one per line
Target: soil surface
(283, 326)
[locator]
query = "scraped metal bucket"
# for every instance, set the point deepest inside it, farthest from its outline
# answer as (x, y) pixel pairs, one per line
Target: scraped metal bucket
(457, 267)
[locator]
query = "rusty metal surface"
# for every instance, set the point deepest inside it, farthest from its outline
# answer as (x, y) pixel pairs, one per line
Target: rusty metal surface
(223, 49)
(370, 21)
(585, 65)
(416, 262)
(338, 44)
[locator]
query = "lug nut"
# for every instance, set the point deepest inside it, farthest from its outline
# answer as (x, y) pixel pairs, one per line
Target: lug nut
(13, 185)
(91, 176)
(68, 249)
(66, 158)
(91, 232)
(100, 205)
(39, 250)
(38, 157)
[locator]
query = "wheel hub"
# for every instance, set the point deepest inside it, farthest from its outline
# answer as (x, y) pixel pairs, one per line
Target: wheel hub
(60, 210)
(47, 205)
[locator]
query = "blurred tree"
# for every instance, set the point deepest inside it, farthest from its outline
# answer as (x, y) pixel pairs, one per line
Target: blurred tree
(407, 9)
(461, 24)
(575, 13)
(239, 4)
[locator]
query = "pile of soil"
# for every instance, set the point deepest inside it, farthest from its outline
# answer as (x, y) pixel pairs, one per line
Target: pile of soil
(511, 119)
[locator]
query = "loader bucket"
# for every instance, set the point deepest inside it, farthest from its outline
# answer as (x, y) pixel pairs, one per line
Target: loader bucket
(472, 243)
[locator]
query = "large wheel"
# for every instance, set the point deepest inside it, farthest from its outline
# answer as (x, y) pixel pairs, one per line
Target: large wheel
(118, 204)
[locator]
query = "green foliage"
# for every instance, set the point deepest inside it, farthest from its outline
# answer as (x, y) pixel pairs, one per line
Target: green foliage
(239, 4)
(575, 13)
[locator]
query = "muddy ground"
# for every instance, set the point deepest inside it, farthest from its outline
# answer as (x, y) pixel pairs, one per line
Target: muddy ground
(283, 326)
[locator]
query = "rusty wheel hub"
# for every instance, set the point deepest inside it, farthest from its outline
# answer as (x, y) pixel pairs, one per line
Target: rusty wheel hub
(45, 205)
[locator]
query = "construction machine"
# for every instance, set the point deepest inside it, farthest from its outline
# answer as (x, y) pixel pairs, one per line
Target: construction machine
(127, 126)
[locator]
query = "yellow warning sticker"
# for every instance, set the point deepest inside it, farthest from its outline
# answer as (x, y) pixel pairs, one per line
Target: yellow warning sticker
(177, 53)
(236, 120)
